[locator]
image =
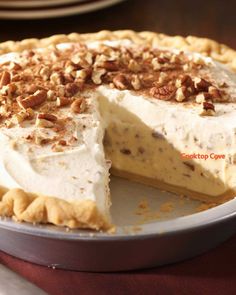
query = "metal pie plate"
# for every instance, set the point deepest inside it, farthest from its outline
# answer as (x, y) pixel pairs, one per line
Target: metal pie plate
(153, 228)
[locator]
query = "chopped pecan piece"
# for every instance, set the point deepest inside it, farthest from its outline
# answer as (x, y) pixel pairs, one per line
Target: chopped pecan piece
(57, 78)
(208, 109)
(134, 66)
(9, 89)
(48, 117)
(110, 65)
(208, 106)
(15, 66)
(156, 65)
(182, 93)
(162, 59)
(97, 76)
(43, 123)
(135, 82)
(63, 101)
(45, 73)
(62, 142)
(51, 95)
(5, 79)
(79, 105)
(201, 84)
(121, 82)
(200, 98)
(72, 89)
(32, 88)
(215, 93)
(186, 81)
(165, 92)
(83, 74)
(33, 100)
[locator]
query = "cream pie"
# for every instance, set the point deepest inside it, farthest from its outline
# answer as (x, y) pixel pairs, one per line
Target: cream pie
(151, 108)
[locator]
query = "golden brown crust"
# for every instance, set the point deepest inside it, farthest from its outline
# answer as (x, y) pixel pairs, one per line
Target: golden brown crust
(35, 208)
(217, 51)
(84, 214)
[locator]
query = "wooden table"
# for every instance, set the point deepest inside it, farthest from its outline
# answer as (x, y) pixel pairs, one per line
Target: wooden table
(208, 18)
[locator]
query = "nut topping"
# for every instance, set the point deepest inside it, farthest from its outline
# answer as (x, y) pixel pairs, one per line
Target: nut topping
(97, 76)
(201, 84)
(48, 117)
(5, 79)
(110, 65)
(55, 78)
(121, 82)
(33, 100)
(184, 80)
(135, 82)
(166, 92)
(72, 89)
(208, 109)
(63, 101)
(215, 93)
(42, 123)
(182, 93)
(78, 106)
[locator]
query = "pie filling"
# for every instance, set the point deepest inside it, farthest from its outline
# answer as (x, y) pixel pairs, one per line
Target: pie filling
(70, 112)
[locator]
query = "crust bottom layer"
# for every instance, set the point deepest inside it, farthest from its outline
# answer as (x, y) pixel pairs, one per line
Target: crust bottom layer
(230, 194)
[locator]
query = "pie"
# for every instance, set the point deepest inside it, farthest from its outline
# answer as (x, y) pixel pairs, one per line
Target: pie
(151, 108)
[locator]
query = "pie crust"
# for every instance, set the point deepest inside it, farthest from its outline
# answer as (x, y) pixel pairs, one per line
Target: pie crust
(208, 47)
(36, 208)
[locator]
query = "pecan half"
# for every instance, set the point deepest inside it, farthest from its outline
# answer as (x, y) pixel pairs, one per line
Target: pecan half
(166, 92)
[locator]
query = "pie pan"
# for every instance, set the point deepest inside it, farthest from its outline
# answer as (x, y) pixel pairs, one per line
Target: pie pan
(171, 238)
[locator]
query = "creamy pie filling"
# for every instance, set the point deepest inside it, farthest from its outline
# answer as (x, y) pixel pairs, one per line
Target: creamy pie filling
(153, 105)
(146, 140)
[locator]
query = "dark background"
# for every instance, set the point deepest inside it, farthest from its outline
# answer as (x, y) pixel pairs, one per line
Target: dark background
(215, 19)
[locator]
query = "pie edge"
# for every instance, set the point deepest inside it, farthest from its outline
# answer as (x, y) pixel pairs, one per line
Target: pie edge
(35, 208)
(219, 52)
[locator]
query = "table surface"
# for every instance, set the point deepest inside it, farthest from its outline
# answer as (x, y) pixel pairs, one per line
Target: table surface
(211, 273)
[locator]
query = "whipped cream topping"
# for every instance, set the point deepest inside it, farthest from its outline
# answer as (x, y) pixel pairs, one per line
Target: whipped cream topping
(78, 173)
